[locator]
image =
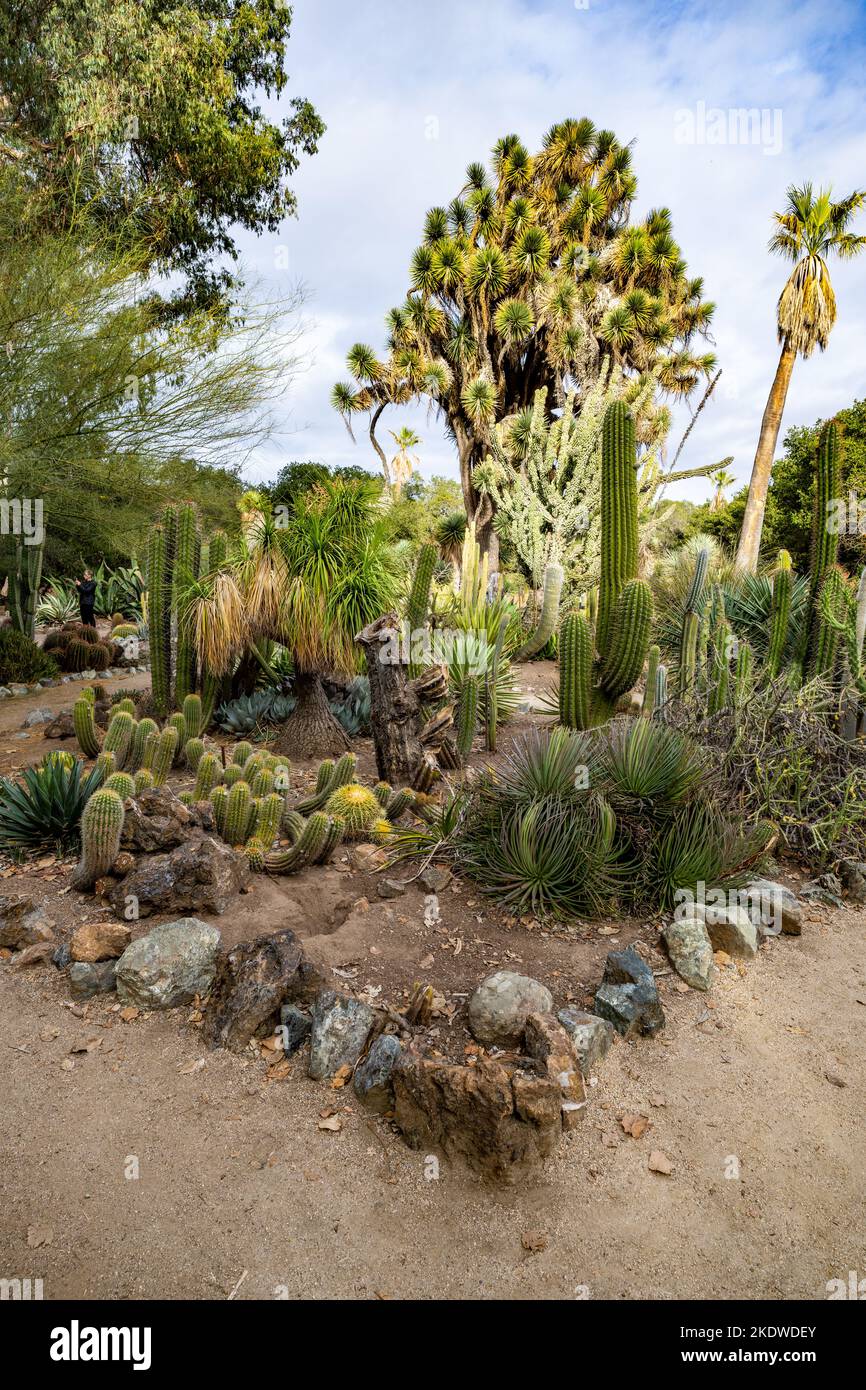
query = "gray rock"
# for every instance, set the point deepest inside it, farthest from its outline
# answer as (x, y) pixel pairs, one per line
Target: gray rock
(628, 996)
(591, 1036)
(390, 888)
(501, 1004)
(772, 907)
(19, 689)
(373, 1081)
(85, 980)
(49, 682)
(690, 951)
(22, 923)
(252, 980)
(732, 929)
(296, 1024)
(38, 716)
(62, 956)
(169, 966)
(5, 692)
(435, 878)
(341, 1026)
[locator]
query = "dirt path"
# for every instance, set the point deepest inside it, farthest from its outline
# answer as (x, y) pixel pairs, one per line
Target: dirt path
(236, 1181)
(20, 747)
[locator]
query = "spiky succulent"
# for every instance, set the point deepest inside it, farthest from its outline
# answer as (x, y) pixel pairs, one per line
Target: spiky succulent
(43, 806)
(357, 806)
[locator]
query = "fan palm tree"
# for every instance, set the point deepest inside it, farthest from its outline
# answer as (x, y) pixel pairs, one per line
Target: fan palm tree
(807, 232)
(310, 584)
(722, 479)
(532, 277)
(403, 463)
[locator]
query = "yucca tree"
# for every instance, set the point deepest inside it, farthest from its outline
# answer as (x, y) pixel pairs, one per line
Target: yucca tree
(450, 535)
(810, 230)
(310, 582)
(404, 463)
(531, 277)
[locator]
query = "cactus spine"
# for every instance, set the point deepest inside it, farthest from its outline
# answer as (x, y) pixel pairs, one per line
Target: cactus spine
(101, 828)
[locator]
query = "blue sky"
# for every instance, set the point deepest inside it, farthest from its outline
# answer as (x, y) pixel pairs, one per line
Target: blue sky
(412, 91)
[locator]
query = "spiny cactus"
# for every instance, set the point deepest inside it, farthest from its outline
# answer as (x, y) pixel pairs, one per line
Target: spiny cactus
(207, 772)
(589, 691)
(255, 851)
(233, 773)
(263, 782)
(780, 614)
(122, 783)
(123, 630)
(380, 830)
(186, 569)
(660, 710)
(418, 604)
(193, 753)
(118, 737)
(160, 619)
(193, 716)
(237, 813)
(356, 805)
(317, 840)
(143, 779)
(652, 666)
(743, 675)
(382, 792)
(151, 744)
(106, 764)
(163, 758)
(241, 752)
(126, 704)
(824, 552)
(398, 803)
(691, 633)
(268, 814)
(330, 776)
(219, 799)
(467, 716)
(549, 615)
(101, 828)
(178, 723)
(83, 722)
(291, 822)
(143, 729)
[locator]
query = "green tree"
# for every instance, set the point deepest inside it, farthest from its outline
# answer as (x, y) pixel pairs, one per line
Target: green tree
(810, 229)
(530, 278)
(148, 112)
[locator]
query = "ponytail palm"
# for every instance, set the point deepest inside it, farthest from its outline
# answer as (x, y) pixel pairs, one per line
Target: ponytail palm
(809, 230)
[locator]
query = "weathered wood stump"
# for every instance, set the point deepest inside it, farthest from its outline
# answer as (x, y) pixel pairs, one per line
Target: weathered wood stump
(407, 738)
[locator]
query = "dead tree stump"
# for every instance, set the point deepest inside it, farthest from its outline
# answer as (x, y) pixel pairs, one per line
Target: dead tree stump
(407, 738)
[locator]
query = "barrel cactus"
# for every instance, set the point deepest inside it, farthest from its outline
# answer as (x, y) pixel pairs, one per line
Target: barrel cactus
(357, 806)
(101, 829)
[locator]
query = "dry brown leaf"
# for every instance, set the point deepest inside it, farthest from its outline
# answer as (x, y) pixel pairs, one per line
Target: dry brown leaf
(39, 1235)
(635, 1125)
(189, 1068)
(534, 1241)
(129, 1013)
(339, 1079)
(333, 1124)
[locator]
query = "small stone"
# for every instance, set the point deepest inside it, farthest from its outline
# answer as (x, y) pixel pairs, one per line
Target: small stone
(591, 1037)
(39, 953)
(340, 1029)
(660, 1163)
(390, 888)
(373, 1083)
(501, 1004)
(96, 941)
(690, 951)
(435, 878)
(547, 1041)
(62, 956)
(22, 923)
(86, 980)
(38, 716)
(773, 907)
(852, 873)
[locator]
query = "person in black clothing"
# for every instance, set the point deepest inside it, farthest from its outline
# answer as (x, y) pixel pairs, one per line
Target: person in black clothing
(86, 597)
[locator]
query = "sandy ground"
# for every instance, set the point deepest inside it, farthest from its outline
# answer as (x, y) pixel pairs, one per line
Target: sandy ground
(147, 1168)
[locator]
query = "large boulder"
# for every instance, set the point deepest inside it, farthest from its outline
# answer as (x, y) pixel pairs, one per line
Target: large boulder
(341, 1026)
(497, 1119)
(169, 966)
(202, 875)
(22, 922)
(628, 996)
(252, 982)
(158, 820)
(87, 979)
(501, 1004)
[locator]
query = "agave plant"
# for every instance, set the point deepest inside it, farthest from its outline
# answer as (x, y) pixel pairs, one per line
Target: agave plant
(60, 604)
(247, 712)
(647, 765)
(44, 805)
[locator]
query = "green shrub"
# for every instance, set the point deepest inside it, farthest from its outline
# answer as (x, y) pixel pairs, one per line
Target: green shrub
(21, 660)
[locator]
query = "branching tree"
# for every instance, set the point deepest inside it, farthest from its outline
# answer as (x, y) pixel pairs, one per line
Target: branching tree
(532, 278)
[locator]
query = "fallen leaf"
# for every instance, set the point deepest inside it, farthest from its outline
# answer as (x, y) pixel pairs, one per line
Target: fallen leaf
(635, 1125)
(660, 1163)
(39, 1235)
(86, 1045)
(340, 1077)
(278, 1071)
(333, 1124)
(129, 1013)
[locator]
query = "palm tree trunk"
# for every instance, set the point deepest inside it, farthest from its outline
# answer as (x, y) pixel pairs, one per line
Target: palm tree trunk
(311, 729)
(753, 517)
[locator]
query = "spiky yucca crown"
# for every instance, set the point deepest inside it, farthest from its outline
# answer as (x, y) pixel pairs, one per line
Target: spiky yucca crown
(356, 805)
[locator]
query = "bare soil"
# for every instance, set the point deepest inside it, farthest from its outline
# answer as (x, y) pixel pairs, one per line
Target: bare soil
(754, 1093)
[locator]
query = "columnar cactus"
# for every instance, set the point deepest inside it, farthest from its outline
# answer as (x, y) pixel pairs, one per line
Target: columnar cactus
(824, 552)
(143, 729)
(549, 615)
(318, 839)
(163, 758)
(467, 715)
(589, 690)
(233, 773)
(143, 780)
(207, 773)
(237, 812)
(186, 570)
(84, 723)
(126, 704)
(118, 737)
(268, 814)
(660, 710)
(331, 775)
(780, 614)
(160, 619)
(219, 799)
(193, 716)
(151, 744)
(193, 753)
(262, 782)
(693, 633)
(106, 764)
(418, 605)
(101, 828)
(122, 783)
(652, 666)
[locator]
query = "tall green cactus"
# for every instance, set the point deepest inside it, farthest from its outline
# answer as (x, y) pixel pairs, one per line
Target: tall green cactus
(186, 570)
(207, 773)
(21, 562)
(164, 755)
(691, 635)
(590, 690)
(652, 666)
(549, 615)
(237, 813)
(118, 738)
(84, 724)
(101, 828)
(780, 614)
(318, 839)
(160, 620)
(815, 643)
(418, 603)
(467, 716)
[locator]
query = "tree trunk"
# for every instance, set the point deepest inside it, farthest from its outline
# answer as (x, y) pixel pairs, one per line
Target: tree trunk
(406, 743)
(311, 729)
(753, 517)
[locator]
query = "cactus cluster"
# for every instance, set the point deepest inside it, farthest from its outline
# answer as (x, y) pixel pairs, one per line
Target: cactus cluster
(602, 655)
(174, 561)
